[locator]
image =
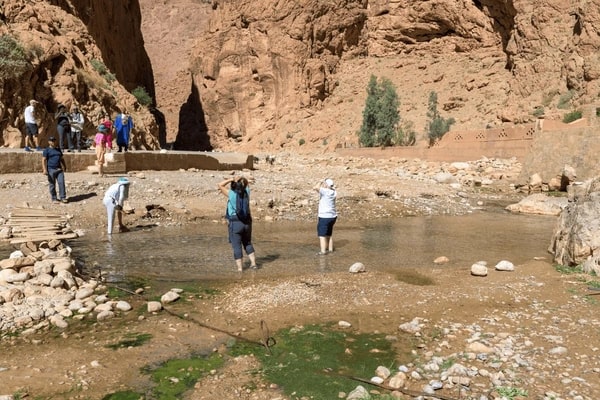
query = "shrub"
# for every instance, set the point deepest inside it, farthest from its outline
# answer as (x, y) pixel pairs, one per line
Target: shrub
(301, 142)
(436, 125)
(572, 116)
(406, 135)
(538, 112)
(142, 96)
(103, 70)
(565, 99)
(13, 58)
(380, 115)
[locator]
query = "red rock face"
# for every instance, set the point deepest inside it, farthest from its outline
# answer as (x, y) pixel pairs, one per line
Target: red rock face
(248, 75)
(94, 66)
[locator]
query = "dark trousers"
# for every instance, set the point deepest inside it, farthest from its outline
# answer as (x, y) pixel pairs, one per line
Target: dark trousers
(64, 130)
(56, 176)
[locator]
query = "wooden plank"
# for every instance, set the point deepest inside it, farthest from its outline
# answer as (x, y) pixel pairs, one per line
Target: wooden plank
(37, 239)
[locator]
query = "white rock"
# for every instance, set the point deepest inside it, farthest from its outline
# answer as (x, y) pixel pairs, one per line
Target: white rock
(357, 267)
(154, 306)
(505, 266)
(169, 297)
(478, 269)
(344, 324)
(123, 306)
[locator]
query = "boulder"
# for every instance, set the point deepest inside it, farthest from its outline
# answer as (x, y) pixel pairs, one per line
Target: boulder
(576, 237)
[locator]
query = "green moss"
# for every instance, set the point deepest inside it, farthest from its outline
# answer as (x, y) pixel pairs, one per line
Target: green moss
(315, 361)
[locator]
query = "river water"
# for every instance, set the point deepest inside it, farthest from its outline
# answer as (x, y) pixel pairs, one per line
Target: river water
(200, 252)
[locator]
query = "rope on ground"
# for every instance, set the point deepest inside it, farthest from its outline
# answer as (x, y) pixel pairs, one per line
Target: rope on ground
(267, 341)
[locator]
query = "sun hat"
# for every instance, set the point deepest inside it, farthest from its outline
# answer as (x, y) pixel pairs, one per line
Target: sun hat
(124, 181)
(329, 182)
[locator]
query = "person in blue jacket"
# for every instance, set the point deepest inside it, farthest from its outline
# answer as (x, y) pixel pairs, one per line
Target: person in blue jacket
(123, 127)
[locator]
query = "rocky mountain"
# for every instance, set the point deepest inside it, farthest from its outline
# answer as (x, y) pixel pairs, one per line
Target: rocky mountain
(291, 75)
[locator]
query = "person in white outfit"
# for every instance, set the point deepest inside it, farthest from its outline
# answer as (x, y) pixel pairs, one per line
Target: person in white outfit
(31, 127)
(327, 215)
(114, 198)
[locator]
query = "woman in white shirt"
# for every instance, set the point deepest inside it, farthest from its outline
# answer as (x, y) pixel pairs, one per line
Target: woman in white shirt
(327, 215)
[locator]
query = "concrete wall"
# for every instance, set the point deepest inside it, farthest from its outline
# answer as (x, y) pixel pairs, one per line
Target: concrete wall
(578, 147)
(18, 161)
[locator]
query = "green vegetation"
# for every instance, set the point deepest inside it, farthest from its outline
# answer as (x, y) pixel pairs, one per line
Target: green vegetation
(131, 340)
(566, 270)
(511, 392)
(173, 378)
(301, 142)
(538, 112)
(380, 115)
(313, 362)
(142, 96)
(565, 99)
(13, 58)
(406, 135)
(103, 70)
(548, 97)
(572, 116)
(436, 125)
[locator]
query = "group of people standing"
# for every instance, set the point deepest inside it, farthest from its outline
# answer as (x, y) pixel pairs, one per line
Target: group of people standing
(240, 228)
(70, 125)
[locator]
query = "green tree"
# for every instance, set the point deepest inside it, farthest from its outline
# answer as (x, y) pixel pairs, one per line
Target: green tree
(13, 57)
(436, 125)
(380, 115)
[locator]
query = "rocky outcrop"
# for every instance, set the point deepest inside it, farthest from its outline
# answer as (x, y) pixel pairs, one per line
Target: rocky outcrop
(64, 64)
(269, 74)
(576, 238)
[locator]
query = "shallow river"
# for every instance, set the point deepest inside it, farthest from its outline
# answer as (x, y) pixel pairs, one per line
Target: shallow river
(201, 252)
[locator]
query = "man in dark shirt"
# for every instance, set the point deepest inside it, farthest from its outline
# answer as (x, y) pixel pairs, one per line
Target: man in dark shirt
(53, 166)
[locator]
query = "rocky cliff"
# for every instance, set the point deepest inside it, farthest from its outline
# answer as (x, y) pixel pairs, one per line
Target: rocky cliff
(242, 75)
(272, 75)
(85, 53)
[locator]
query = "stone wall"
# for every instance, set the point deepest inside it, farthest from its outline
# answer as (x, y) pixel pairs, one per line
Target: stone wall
(23, 162)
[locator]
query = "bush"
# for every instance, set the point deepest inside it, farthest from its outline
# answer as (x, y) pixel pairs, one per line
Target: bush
(142, 96)
(436, 125)
(565, 99)
(406, 135)
(301, 142)
(13, 58)
(572, 116)
(103, 70)
(380, 115)
(538, 112)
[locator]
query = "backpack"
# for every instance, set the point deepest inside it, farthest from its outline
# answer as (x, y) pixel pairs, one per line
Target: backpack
(242, 206)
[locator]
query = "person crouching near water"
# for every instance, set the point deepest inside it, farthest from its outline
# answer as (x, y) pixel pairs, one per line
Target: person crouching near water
(239, 221)
(114, 198)
(327, 215)
(101, 142)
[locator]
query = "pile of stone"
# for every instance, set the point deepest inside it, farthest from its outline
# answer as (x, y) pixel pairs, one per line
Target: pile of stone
(40, 286)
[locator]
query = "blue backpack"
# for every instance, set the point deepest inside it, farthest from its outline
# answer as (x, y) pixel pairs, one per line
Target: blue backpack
(242, 206)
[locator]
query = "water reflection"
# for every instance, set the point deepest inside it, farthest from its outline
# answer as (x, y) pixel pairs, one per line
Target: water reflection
(201, 252)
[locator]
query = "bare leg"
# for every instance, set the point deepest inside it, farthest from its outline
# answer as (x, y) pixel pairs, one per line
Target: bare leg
(323, 244)
(330, 240)
(238, 263)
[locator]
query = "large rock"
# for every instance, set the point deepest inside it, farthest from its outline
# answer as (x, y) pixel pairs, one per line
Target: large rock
(576, 238)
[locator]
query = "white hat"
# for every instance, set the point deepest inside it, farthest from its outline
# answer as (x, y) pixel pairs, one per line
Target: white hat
(329, 182)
